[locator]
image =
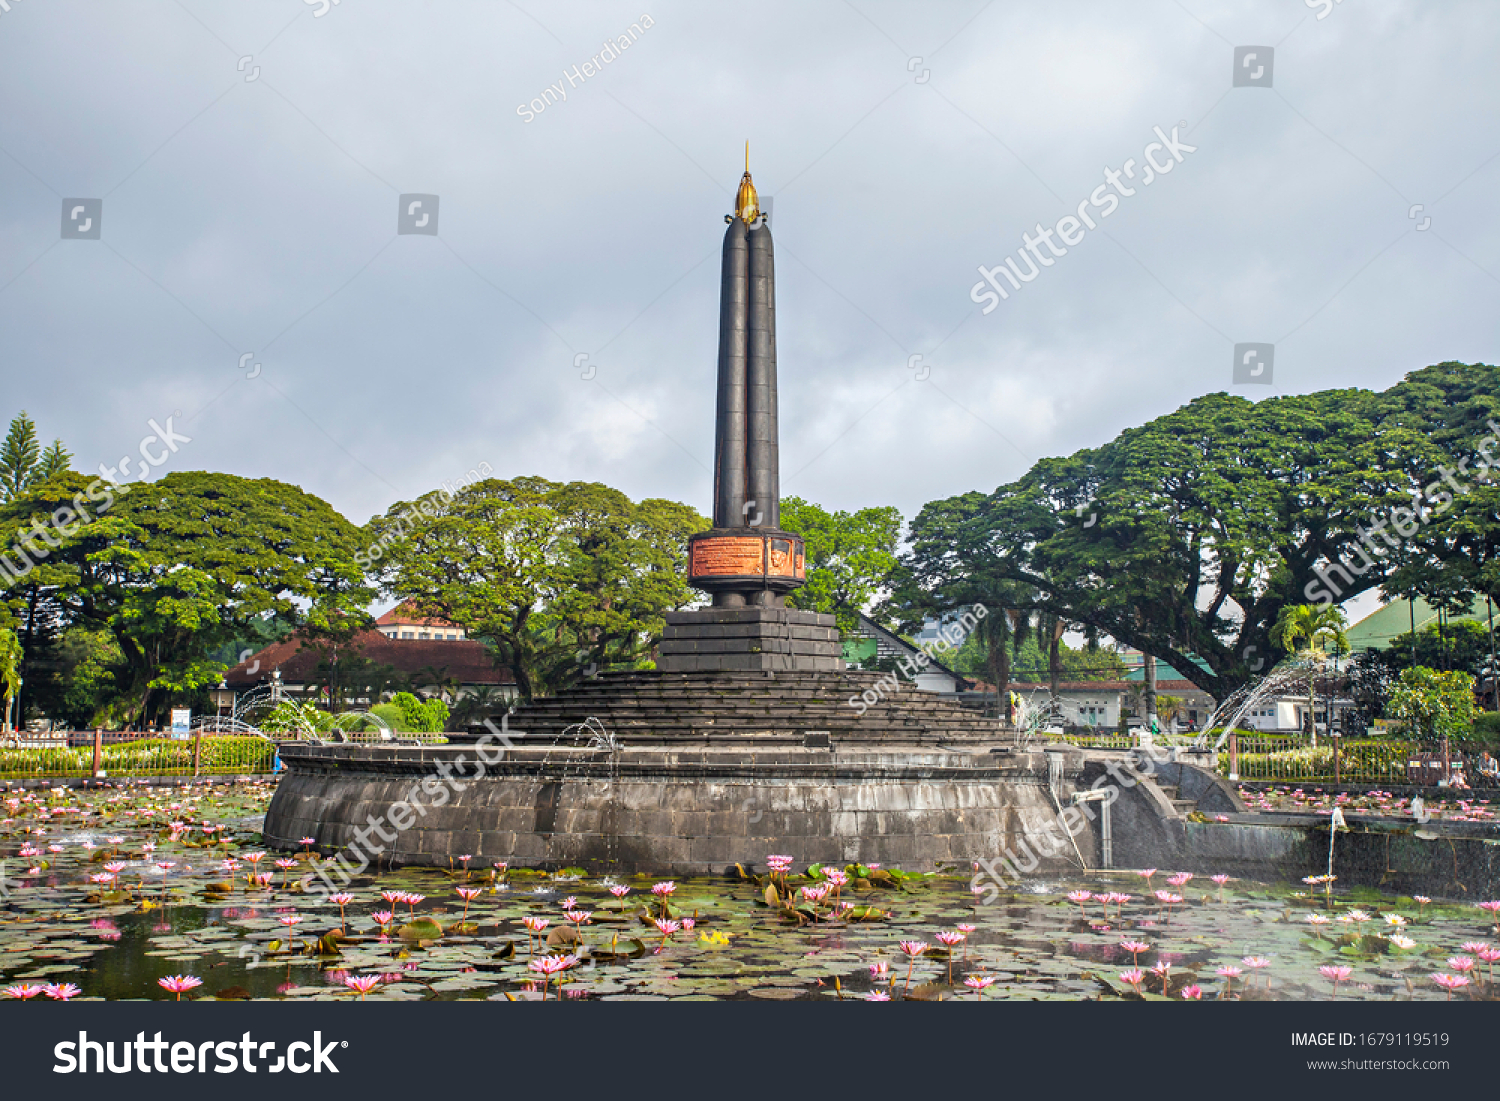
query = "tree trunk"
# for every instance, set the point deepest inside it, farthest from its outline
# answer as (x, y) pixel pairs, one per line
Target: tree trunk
(1054, 658)
(997, 661)
(1002, 684)
(1149, 668)
(1312, 718)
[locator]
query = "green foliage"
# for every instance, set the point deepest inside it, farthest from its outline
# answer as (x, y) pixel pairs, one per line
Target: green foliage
(1462, 644)
(419, 717)
(177, 568)
(1434, 705)
(1487, 728)
(296, 717)
(390, 714)
(54, 461)
(1031, 663)
(557, 577)
(1454, 554)
(218, 753)
(849, 556)
(18, 457)
(1077, 664)
(10, 669)
(1320, 629)
(1186, 537)
(1379, 762)
(23, 465)
(91, 661)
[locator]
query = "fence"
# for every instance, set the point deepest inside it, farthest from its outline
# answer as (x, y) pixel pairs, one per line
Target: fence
(126, 754)
(1351, 760)
(1103, 739)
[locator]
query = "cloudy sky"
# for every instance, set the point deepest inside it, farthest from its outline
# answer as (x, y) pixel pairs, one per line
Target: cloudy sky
(251, 158)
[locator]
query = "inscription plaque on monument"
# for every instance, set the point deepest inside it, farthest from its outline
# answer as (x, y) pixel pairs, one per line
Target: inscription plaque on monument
(727, 556)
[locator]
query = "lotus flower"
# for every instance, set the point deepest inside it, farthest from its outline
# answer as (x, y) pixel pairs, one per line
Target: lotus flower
(179, 984)
(1080, 897)
(1229, 974)
(1335, 975)
(1450, 983)
(362, 984)
(913, 949)
(468, 894)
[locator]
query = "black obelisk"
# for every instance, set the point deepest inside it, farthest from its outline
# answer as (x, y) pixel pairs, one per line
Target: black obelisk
(747, 562)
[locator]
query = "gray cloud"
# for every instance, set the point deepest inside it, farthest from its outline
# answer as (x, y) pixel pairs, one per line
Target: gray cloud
(260, 216)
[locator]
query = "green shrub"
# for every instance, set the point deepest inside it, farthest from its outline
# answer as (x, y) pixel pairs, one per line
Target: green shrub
(419, 717)
(294, 717)
(390, 714)
(217, 753)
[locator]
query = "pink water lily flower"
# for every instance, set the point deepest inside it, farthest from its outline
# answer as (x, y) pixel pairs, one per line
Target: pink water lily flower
(1450, 983)
(362, 984)
(179, 984)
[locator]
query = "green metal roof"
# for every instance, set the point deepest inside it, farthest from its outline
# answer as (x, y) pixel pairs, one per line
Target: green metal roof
(1376, 630)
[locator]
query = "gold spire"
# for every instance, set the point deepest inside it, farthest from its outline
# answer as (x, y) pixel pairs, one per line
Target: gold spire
(747, 203)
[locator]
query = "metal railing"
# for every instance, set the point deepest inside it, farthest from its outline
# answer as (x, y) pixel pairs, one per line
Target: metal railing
(1101, 739)
(1337, 760)
(128, 754)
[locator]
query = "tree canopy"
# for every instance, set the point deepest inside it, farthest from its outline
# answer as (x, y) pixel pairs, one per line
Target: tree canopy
(558, 577)
(174, 569)
(850, 556)
(1187, 536)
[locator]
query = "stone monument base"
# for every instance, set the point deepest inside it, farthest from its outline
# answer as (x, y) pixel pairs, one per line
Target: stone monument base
(750, 639)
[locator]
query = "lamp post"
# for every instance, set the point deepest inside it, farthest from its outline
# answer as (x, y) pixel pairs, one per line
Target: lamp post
(222, 697)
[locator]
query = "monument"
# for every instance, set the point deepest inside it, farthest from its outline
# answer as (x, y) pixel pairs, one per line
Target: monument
(750, 737)
(747, 562)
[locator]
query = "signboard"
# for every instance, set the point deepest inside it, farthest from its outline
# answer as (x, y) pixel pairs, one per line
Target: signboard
(182, 719)
(727, 556)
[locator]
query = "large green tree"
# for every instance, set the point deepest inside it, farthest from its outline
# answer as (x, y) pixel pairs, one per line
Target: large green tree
(850, 556)
(559, 578)
(1186, 537)
(176, 568)
(1449, 552)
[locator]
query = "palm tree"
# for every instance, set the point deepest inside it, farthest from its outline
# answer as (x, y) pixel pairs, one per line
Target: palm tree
(1319, 627)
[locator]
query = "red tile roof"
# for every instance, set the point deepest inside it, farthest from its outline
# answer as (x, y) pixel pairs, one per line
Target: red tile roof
(400, 616)
(465, 659)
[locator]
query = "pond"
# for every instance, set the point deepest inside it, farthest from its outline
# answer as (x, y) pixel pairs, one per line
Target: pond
(112, 890)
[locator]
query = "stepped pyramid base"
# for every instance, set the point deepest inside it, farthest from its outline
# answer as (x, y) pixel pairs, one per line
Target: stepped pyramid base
(750, 639)
(774, 706)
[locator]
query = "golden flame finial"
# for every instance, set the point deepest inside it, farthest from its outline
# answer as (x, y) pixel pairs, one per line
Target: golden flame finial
(747, 203)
